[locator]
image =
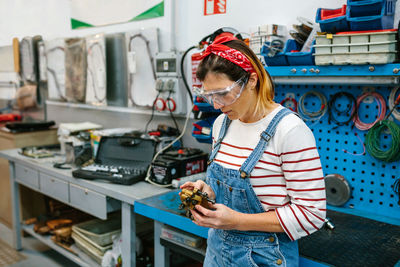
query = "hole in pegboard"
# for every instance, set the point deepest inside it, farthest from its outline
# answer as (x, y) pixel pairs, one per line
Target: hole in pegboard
(358, 169)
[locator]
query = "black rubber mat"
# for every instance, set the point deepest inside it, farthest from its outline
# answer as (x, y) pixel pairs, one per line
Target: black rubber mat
(355, 241)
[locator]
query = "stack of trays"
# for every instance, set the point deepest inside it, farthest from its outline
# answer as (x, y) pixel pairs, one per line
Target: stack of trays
(95, 237)
(367, 47)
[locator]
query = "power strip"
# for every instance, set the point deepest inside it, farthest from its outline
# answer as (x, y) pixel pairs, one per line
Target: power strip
(176, 183)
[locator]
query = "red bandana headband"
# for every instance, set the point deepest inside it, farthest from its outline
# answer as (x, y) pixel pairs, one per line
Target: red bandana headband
(233, 55)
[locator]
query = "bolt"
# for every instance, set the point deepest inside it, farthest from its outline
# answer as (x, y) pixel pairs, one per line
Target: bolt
(304, 70)
(395, 70)
(317, 71)
(371, 68)
(293, 70)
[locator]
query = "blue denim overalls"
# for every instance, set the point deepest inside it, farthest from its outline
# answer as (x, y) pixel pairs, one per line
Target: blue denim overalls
(233, 189)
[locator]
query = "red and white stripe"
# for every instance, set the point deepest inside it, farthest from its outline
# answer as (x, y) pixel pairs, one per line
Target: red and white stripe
(288, 178)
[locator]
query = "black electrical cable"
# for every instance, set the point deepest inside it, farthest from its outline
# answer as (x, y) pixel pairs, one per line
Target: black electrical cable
(173, 117)
(183, 72)
(350, 111)
(152, 112)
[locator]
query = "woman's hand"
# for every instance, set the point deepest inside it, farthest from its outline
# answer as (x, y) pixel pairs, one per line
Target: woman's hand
(200, 185)
(219, 217)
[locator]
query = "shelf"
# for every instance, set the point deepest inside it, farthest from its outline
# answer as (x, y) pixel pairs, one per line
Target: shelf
(349, 74)
(82, 259)
(133, 110)
(195, 253)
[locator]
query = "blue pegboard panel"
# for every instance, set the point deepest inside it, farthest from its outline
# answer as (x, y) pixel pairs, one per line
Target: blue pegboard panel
(371, 180)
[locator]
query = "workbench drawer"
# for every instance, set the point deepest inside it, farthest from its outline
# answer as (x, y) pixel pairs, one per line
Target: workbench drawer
(54, 187)
(92, 202)
(27, 176)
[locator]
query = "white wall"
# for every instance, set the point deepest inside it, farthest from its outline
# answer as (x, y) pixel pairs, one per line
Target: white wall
(51, 19)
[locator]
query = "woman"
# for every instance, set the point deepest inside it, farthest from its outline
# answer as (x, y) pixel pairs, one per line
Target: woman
(264, 173)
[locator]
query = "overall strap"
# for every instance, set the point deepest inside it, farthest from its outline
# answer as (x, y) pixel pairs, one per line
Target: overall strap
(248, 166)
(222, 132)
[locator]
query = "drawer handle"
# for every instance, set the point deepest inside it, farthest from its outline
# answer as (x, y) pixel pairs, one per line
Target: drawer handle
(86, 192)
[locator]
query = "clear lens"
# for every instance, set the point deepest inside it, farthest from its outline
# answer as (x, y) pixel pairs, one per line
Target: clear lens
(227, 96)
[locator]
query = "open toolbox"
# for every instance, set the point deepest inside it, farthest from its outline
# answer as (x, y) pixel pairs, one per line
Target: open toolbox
(359, 47)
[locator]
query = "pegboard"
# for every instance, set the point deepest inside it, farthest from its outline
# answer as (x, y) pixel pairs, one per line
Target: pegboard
(371, 180)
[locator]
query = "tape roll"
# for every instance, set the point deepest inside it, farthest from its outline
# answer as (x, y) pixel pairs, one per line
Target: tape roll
(338, 190)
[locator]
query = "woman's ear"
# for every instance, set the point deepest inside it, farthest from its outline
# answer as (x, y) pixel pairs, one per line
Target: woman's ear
(253, 79)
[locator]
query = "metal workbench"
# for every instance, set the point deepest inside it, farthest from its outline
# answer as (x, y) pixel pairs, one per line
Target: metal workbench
(95, 198)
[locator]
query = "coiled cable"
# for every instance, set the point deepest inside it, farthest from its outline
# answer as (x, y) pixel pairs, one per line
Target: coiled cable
(333, 110)
(392, 103)
(313, 115)
(373, 143)
(290, 99)
(381, 110)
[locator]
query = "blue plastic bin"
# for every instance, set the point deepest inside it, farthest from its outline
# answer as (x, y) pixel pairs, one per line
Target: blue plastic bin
(202, 138)
(204, 106)
(279, 59)
(360, 8)
(300, 58)
(332, 25)
(382, 20)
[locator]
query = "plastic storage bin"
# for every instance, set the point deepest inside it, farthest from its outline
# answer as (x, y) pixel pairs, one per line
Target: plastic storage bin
(203, 138)
(279, 59)
(99, 231)
(299, 58)
(382, 19)
(373, 47)
(332, 20)
(204, 106)
(362, 8)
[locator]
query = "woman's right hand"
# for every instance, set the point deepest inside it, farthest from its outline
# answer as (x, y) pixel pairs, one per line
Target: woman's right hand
(200, 185)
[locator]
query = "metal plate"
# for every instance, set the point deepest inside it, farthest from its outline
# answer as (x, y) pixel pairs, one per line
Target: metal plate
(338, 191)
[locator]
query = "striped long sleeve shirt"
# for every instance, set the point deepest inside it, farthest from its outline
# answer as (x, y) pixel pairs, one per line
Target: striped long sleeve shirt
(288, 178)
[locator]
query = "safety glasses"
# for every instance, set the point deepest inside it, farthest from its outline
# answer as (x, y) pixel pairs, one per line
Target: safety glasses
(225, 96)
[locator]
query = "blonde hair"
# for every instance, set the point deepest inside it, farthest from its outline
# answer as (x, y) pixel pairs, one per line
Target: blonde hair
(265, 88)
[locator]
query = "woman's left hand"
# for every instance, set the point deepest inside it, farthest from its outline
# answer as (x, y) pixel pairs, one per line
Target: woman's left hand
(220, 217)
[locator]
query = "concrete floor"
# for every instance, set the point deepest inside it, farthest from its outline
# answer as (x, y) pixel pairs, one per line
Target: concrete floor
(36, 253)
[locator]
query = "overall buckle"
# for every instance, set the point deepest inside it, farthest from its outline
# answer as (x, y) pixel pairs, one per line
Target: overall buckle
(265, 136)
